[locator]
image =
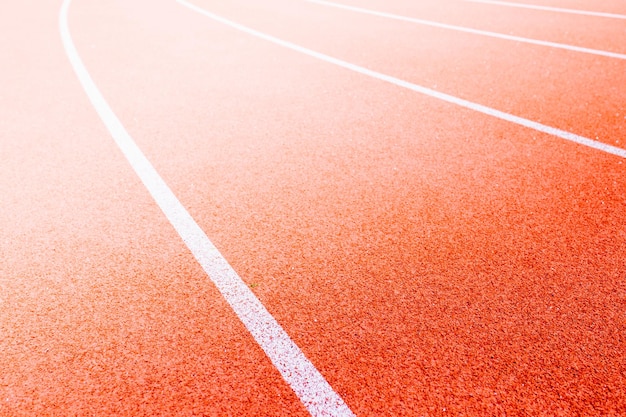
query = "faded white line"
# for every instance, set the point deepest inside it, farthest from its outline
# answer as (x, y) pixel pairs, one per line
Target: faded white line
(472, 31)
(551, 9)
(309, 385)
(414, 87)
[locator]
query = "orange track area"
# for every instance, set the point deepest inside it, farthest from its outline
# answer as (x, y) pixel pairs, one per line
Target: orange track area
(427, 259)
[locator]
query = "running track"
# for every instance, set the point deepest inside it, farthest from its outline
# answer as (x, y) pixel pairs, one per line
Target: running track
(422, 257)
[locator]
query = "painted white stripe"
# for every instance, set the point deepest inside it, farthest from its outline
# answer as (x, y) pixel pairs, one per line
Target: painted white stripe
(414, 87)
(309, 385)
(550, 8)
(472, 31)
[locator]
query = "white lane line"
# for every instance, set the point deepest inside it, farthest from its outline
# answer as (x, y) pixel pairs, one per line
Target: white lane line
(550, 8)
(309, 385)
(472, 31)
(414, 87)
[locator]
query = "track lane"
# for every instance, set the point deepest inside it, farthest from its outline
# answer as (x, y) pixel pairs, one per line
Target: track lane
(584, 31)
(308, 384)
(102, 309)
(539, 127)
(609, 6)
(460, 256)
(472, 31)
(552, 9)
(586, 101)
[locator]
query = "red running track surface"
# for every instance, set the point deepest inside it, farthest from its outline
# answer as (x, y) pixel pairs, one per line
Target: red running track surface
(428, 259)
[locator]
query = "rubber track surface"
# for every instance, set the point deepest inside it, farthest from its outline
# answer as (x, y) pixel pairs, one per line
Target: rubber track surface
(429, 260)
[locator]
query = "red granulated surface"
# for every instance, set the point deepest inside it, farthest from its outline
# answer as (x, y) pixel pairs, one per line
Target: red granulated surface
(428, 259)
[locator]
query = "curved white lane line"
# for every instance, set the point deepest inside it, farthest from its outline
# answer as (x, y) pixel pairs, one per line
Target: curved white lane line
(551, 9)
(472, 31)
(309, 385)
(414, 87)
